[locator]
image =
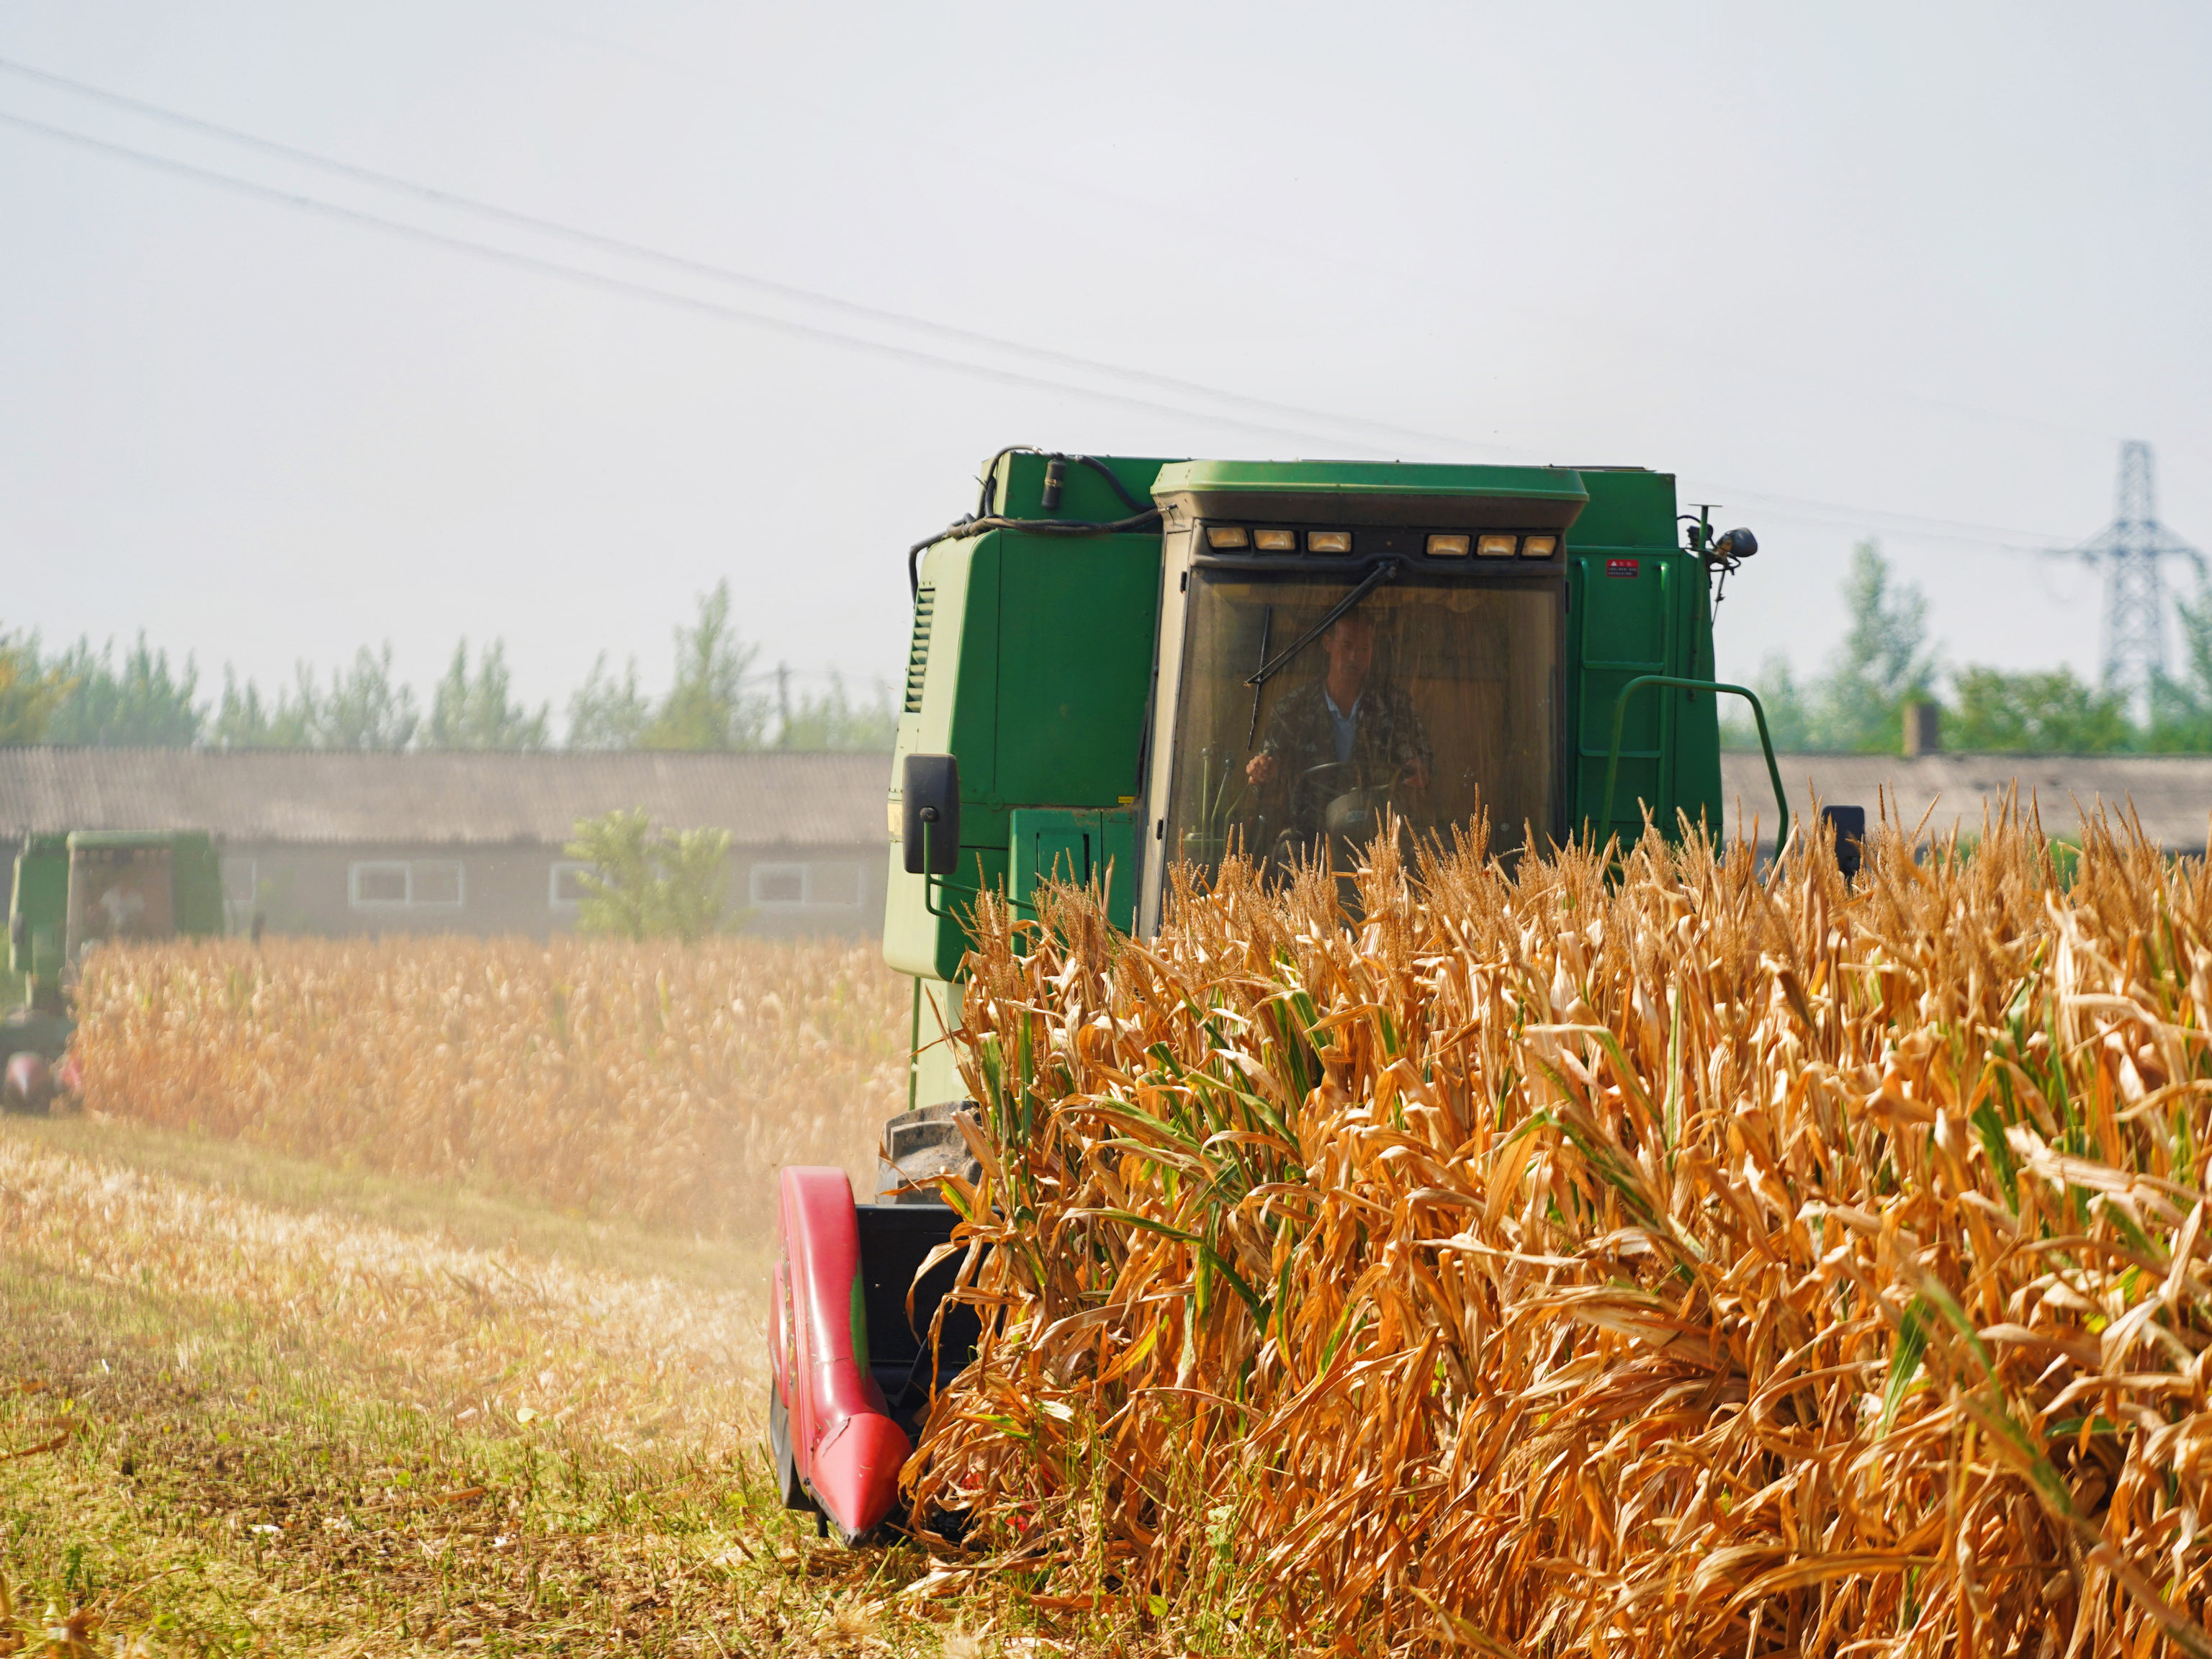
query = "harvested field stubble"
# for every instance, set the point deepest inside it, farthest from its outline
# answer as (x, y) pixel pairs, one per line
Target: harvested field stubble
(658, 1082)
(1690, 1264)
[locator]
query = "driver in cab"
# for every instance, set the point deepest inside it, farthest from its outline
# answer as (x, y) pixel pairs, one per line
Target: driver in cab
(1344, 732)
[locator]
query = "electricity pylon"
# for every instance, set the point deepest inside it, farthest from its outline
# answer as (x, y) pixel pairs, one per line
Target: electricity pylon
(2131, 549)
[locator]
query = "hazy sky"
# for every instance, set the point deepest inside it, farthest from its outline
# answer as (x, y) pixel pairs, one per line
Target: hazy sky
(1905, 270)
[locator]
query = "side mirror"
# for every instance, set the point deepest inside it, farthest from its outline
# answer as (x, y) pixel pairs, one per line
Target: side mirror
(929, 790)
(1735, 545)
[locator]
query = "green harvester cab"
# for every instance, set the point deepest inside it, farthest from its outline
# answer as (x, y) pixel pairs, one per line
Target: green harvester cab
(1120, 664)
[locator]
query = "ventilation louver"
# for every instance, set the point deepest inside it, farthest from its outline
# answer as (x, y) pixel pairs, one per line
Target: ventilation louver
(917, 653)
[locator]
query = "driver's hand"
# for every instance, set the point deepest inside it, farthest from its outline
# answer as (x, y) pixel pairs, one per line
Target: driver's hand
(1416, 773)
(1260, 769)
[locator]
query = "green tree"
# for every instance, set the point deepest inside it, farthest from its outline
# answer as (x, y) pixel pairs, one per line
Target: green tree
(2039, 712)
(709, 707)
(2181, 705)
(143, 704)
(29, 690)
(478, 711)
(243, 721)
(1789, 710)
(362, 709)
(1883, 663)
(608, 714)
(648, 884)
(832, 721)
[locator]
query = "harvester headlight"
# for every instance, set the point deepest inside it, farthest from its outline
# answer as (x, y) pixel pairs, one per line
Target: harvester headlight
(1539, 547)
(1447, 547)
(1275, 541)
(1496, 547)
(1329, 540)
(1223, 537)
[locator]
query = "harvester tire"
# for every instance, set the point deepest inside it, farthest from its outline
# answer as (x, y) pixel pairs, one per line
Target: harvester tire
(788, 1485)
(919, 1148)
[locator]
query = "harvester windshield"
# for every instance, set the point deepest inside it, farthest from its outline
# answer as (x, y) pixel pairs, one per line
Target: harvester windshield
(1433, 703)
(120, 890)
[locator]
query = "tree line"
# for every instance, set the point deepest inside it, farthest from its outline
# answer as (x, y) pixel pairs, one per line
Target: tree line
(717, 701)
(1886, 662)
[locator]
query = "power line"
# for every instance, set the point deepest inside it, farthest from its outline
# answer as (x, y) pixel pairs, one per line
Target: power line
(1914, 526)
(315, 204)
(492, 210)
(1962, 532)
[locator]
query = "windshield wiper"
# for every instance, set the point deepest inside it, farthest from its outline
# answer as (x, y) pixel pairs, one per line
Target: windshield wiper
(1267, 632)
(1383, 570)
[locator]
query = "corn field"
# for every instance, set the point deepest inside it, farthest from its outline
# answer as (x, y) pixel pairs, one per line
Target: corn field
(662, 1082)
(1682, 1260)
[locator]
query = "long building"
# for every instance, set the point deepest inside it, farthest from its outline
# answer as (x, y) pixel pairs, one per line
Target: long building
(452, 841)
(338, 844)
(2170, 795)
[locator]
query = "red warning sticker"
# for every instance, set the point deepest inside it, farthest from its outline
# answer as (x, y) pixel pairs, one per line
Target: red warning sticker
(1623, 566)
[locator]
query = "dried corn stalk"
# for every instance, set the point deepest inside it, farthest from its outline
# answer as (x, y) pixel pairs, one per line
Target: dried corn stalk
(1687, 1262)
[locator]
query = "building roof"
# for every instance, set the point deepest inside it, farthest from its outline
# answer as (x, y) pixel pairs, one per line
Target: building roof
(444, 798)
(2172, 794)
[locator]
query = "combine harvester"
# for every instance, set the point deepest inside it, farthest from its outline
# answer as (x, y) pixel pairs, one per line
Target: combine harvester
(74, 893)
(1120, 664)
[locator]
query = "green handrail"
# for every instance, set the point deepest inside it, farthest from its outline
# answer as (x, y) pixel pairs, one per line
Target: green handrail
(1621, 715)
(932, 885)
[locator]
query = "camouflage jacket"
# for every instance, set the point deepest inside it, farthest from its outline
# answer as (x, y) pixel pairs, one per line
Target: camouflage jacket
(1387, 735)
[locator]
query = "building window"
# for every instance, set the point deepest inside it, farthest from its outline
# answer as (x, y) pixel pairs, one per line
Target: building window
(405, 885)
(780, 886)
(564, 886)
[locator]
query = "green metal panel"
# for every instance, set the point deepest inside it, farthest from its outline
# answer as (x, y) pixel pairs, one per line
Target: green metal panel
(1076, 846)
(1638, 603)
(957, 716)
(1038, 665)
(1697, 732)
(1018, 487)
(42, 898)
(1628, 507)
(1076, 622)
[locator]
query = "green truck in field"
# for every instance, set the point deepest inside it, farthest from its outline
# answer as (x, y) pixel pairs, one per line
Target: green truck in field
(1124, 669)
(74, 893)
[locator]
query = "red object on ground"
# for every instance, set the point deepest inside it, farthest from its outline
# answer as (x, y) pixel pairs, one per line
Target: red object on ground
(843, 1443)
(29, 1080)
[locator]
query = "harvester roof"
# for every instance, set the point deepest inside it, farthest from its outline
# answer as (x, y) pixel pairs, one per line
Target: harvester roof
(1477, 497)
